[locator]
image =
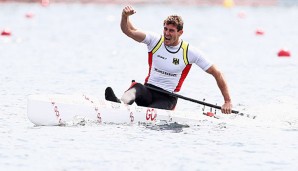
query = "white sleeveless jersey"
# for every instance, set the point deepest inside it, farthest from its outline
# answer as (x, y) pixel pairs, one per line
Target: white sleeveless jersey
(168, 65)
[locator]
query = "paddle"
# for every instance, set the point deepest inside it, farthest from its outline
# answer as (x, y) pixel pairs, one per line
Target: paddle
(197, 101)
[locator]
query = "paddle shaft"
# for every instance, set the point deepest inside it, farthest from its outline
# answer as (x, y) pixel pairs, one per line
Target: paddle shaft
(187, 98)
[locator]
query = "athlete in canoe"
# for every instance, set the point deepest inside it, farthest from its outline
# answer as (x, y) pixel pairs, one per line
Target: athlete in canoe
(170, 59)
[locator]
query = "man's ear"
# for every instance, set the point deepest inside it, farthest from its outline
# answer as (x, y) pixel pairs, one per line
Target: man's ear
(180, 32)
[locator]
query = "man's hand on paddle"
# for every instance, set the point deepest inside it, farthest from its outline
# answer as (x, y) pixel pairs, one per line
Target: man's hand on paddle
(226, 108)
(128, 10)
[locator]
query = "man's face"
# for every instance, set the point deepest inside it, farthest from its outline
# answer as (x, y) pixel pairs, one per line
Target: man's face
(171, 35)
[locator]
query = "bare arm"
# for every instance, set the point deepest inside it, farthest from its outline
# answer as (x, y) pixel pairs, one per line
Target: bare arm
(127, 27)
(227, 106)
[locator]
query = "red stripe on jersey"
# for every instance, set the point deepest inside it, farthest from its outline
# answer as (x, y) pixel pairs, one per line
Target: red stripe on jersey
(150, 54)
(182, 78)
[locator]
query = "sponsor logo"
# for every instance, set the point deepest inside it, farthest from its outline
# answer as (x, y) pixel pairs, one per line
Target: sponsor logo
(162, 57)
(151, 114)
(175, 61)
(165, 73)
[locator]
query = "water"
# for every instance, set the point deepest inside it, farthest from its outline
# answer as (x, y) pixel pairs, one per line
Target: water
(73, 48)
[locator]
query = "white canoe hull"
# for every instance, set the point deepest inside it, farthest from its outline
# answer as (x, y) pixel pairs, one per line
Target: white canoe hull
(59, 109)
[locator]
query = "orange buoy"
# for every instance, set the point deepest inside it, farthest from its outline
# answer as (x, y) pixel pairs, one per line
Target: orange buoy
(5, 32)
(284, 53)
(260, 32)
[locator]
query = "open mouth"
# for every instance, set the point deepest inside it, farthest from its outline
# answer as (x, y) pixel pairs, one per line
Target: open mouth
(167, 38)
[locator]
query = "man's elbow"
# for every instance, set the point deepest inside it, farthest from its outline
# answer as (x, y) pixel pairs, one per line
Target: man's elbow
(215, 72)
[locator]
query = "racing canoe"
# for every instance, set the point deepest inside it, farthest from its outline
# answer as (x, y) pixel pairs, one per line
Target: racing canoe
(51, 110)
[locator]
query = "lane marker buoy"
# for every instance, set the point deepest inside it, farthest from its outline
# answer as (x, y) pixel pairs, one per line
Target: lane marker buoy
(260, 32)
(6, 32)
(210, 114)
(284, 53)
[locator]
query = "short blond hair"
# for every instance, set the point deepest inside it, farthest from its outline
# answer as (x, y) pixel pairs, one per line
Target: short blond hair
(175, 20)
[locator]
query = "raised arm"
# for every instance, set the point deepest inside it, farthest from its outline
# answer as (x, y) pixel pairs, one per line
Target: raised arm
(227, 106)
(127, 27)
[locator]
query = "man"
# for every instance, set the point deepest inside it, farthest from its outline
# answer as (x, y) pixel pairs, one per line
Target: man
(170, 59)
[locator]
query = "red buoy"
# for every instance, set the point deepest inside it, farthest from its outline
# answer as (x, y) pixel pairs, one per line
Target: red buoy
(260, 32)
(284, 53)
(5, 33)
(210, 114)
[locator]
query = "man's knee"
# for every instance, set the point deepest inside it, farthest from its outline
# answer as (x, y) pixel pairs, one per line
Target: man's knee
(137, 93)
(129, 96)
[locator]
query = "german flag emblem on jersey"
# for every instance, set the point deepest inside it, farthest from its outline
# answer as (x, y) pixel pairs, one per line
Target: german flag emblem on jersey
(175, 61)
